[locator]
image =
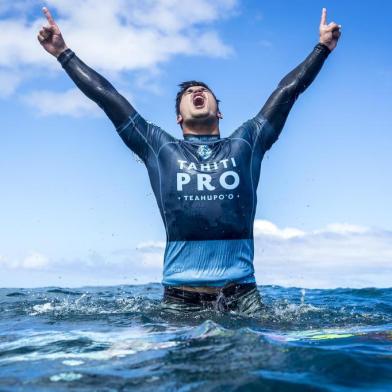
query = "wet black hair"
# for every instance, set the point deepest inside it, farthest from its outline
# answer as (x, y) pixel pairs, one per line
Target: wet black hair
(184, 86)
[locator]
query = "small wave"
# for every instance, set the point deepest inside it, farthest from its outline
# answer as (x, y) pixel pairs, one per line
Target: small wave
(88, 305)
(83, 345)
(289, 308)
(70, 362)
(205, 330)
(70, 376)
(42, 308)
(59, 290)
(16, 294)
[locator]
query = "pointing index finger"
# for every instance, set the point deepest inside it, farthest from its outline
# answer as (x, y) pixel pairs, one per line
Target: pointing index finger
(49, 16)
(324, 16)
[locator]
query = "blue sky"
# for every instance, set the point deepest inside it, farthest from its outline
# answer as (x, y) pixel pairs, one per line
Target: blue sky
(77, 207)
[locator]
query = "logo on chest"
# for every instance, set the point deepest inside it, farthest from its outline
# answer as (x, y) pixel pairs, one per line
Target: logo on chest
(226, 179)
(204, 152)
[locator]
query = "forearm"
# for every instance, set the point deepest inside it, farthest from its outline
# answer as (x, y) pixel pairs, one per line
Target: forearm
(96, 87)
(291, 86)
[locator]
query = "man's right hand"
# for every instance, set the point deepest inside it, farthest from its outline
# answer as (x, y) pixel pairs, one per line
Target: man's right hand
(50, 36)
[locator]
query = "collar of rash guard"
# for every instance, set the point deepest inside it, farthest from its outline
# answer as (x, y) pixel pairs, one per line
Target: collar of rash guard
(201, 138)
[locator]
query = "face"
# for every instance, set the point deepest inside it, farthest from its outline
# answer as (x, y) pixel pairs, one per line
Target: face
(197, 102)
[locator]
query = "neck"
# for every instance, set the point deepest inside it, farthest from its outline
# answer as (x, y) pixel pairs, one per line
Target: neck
(197, 126)
(200, 138)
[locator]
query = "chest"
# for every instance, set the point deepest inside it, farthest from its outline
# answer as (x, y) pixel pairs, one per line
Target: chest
(221, 166)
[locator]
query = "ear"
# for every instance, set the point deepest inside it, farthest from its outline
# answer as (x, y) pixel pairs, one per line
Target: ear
(179, 119)
(219, 115)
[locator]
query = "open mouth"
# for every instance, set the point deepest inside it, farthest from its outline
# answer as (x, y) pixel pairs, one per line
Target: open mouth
(198, 101)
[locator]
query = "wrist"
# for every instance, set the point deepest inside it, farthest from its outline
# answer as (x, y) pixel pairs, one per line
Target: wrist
(65, 56)
(58, 54)
(323, 48)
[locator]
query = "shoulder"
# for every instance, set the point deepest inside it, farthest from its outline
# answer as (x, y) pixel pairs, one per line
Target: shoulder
(251, 129)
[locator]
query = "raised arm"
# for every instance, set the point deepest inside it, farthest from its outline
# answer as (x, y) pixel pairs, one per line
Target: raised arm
(279, 104)
(140, 136)
(93, 85)
(97, 88)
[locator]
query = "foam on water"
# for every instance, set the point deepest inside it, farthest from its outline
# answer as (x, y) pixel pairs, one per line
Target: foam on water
(120, 338)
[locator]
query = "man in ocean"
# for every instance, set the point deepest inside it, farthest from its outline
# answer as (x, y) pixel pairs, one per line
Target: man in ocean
(205, 185)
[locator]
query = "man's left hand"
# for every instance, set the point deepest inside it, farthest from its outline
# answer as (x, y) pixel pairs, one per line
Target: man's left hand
(329, 33)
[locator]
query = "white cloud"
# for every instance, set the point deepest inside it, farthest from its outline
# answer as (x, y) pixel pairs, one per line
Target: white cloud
(33, 260)
(343, 228)
(338, 255)
(149, 245)
(9, 81)
(263, 227)
(16, 6)
(175, 15)
(120, 34)
(71, 102)
(113, 37)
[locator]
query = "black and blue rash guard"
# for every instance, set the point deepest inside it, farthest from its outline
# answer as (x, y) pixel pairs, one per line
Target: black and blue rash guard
(206, 192)
(205, 186)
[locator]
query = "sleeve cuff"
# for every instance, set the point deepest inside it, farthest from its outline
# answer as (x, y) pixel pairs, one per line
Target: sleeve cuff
(65, 56)
(321, 48)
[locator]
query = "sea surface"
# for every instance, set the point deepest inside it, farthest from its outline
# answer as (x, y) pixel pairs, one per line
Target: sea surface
(119, 339)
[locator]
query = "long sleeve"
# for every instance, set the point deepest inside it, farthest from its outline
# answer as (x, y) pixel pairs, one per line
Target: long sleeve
(140, 136)
(279, 104)
(97, 88)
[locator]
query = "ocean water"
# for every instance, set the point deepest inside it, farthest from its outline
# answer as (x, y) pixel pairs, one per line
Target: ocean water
(119, 339)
